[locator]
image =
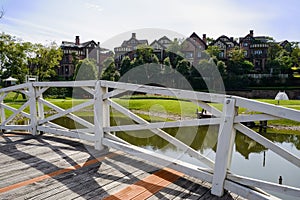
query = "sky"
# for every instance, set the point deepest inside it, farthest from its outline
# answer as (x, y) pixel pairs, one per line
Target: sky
(111, 21)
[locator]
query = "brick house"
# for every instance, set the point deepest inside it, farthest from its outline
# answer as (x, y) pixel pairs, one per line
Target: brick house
(225, 44)
(79, 51)
(256, 49)
(127, 48)
(159, 46)
(193, 47)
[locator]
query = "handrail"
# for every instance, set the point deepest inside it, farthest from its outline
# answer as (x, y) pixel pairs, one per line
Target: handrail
(99, 131)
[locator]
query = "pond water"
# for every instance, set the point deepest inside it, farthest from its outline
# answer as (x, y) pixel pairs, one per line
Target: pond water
(249, 158)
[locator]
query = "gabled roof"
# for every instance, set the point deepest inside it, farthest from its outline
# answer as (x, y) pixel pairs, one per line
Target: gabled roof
(158, 43)
(138, 42)
(164, 38)
(283, 43)
(227, 40)
(248, 36)
(219, 40)
(81, 45)
(196, 40)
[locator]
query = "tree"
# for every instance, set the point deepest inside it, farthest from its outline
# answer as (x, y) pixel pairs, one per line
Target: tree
(237, 63)
(236, 55)
(44, 60)
(125, 65)
(279, 60)
(86, 70)
(109, 72)
(183, 67)
(144, 54)
(295, 56)
(13, 57)
(175, 47)
(213, 51)
(221, 67)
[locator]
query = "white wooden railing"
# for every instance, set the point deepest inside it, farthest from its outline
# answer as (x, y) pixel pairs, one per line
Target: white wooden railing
(217, 171)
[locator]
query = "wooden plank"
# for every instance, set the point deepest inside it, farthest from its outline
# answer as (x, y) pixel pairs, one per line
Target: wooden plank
(3, 97)
(70, 184)
(40, 109)
(65, 112)
(294, 159)
(193, 191)
(224, 147)
(254, 117)
(33, 110)
(89, 83)
(25, 92)
(180, 94)
(159, 125)
(40, 91)
(55, 173)
(89, 90)
(115, 138)
(16, 127)
(117, 171)
(68, 133)
(274, 110)
(100, 115)
(147, 186)
(183, 188)
(119, 184)
(70, 115)
(283, 189)
(162, 160)
(15, 113)
(113, 93)
(209, 108)
(14, 88)
(33, 167)
(164, 135)
(14, 110)
(247, 192)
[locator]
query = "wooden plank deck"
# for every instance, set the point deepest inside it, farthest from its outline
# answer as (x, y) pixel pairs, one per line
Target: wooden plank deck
(52, 167)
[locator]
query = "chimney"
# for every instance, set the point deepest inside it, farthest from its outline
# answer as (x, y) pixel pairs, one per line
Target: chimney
(77, 40)
(204, 38)
(251, 33)
(133, 35)
(231, 38)
(98, 44)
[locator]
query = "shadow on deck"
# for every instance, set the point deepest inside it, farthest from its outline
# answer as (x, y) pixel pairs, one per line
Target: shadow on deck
(52, 167)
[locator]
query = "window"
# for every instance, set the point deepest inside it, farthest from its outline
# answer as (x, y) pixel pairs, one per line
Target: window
(245, 44)
(258, 52)
(221, 54)
(189, 55)
(245, 53)
(199, 54)
(66, 70)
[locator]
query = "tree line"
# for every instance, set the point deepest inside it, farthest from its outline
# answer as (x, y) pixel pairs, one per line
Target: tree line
(18, 59)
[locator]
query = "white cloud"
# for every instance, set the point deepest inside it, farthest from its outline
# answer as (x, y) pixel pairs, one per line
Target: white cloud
(100, 20)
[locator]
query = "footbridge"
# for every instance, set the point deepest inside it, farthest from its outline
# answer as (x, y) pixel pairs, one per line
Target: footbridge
(100, 131)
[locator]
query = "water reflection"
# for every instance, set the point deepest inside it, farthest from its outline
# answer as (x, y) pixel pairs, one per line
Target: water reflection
(199, 138)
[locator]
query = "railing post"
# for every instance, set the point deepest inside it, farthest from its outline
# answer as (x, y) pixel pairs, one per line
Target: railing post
(40, 107)
(3, 117)
(101, 115)
(33, 110)
(224, 147)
